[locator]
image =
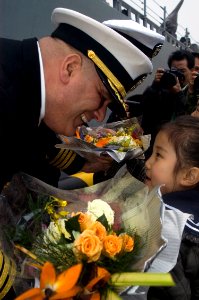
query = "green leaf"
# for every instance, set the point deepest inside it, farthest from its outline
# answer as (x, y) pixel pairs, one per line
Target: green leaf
(72, 224)
(103, 220)
(141, 279)
(110, 295)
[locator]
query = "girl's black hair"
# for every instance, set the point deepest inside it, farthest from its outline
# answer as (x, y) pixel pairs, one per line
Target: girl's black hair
(183, 134)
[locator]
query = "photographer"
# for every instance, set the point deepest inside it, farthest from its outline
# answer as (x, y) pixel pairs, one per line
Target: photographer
(166, 98)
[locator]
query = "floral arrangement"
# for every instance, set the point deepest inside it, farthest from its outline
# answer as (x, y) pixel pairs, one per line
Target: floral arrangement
(120, 139)
(82, 255)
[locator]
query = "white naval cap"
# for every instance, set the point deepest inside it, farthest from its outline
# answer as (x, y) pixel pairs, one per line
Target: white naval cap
(119, 63)
(148, 41)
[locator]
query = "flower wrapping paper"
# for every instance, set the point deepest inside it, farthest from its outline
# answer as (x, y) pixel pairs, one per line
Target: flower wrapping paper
(86, 149)
(127, 196)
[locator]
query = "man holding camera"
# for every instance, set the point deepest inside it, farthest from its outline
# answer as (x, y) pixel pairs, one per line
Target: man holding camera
(167, 97)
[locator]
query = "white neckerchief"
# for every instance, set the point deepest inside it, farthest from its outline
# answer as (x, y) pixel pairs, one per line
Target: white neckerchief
(43, 91)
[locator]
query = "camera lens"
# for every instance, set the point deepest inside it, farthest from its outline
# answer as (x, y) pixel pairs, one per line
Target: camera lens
(168, 80)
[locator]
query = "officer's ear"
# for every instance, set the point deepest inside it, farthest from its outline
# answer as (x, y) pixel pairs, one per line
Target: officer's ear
(191, 177)
(70, 64)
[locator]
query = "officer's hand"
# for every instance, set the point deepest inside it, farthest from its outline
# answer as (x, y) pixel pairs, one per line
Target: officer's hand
(97, 164)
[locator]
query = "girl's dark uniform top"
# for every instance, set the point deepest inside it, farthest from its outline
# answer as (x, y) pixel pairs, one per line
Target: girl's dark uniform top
(186, 271)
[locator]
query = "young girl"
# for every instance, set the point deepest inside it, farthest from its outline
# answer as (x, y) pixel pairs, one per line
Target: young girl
(174, 164)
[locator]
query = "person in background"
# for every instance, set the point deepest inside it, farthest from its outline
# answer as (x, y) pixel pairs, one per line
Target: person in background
(196, 55)
(174, 165)
(193, 86)
(53, 85)
(166, 98)
(195, 113)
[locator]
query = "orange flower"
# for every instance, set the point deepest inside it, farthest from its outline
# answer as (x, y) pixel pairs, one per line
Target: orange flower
(103, 276)
(99, 230)
(54, 287)
(89, 245)
(112, 245)
(84, 221)
(127, 242)
(103, 142)
(88, 138)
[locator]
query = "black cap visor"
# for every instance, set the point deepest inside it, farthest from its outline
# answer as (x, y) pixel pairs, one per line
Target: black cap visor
(116, 106)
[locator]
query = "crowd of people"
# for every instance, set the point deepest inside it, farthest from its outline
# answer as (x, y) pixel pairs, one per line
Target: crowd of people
(53, 85)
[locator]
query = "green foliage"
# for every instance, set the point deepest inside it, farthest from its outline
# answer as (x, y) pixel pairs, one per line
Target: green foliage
(103, 220)
(59, 254)
(72, 224)
(30, 224)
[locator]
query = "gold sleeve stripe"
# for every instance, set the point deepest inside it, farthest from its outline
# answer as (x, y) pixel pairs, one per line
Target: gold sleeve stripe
(7, 275)
(1, 260)
(86, 177)
(4, 268)
(69, 161)
(60, 153)
(64, 159)
(64, 156)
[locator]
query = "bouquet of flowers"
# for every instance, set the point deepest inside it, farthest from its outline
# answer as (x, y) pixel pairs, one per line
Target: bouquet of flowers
(85, 250)
(95, 247)
(122, 139)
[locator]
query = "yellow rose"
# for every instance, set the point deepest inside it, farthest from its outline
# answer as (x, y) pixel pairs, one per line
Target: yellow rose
(112, 245)
(99, 230)
(127, 242)
(89, 245)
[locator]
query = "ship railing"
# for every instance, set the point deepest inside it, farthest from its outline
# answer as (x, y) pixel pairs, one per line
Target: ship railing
(140, 18)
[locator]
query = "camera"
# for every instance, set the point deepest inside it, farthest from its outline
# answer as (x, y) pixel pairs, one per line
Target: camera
(168, 79)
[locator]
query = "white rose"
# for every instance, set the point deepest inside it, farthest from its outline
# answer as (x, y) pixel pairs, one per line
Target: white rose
(98, 207)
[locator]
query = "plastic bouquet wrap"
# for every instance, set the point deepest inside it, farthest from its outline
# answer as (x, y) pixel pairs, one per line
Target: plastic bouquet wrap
(121, 140)
(91, 243)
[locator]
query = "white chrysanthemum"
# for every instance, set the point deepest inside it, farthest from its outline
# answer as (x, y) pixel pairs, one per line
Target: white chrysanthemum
(98, 207)
(52, 233)
(55, 230)
(61, 224)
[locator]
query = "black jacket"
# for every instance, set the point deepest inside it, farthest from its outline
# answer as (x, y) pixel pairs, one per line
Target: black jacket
(158, 107)
(25, 146)
(186, 270)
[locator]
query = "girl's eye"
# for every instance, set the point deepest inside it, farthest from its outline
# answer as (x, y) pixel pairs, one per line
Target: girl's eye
(157, 154)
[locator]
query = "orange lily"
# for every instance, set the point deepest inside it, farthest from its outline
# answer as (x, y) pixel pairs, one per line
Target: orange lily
(54, 287)
(103, 275)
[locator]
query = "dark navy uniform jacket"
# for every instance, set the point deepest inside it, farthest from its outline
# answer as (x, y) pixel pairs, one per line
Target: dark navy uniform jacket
(25, 146)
